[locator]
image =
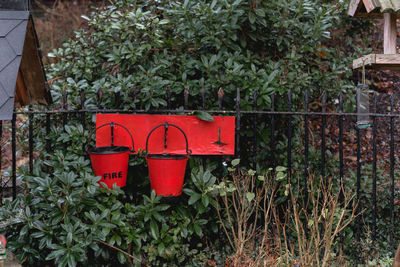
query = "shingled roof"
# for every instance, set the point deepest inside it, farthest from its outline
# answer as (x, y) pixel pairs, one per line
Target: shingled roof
(372, 8)
(22, 76)
(389, 5)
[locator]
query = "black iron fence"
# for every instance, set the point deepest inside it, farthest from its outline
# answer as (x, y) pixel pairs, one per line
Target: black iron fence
(318, 126)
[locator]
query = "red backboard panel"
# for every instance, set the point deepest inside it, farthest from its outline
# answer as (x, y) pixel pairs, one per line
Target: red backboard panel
(204, 138)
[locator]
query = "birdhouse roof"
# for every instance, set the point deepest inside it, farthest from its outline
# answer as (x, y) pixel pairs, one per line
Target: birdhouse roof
(22, 76)
(372, 8)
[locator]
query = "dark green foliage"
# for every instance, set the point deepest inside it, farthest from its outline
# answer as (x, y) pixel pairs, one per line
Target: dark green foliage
(135, 50)
(63, 215)
(269, 46)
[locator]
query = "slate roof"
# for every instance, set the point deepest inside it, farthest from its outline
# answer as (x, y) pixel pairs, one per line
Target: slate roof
(22, 76)
(12, 35)
(14, 5)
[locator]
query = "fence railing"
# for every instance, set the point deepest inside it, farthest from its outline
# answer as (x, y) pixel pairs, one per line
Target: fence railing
(314, 123)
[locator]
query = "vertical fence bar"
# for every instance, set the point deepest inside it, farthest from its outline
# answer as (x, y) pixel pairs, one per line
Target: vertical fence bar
(100, 97)
(306, 141)
(323, 138)
(272, 137)
(220, 161)
(289, 137)
(392, 174)
(341, 144)
(220, 97)
(341, 196)
(374, 211)
(203, 98)
(169, 97)
(186, 98)
(134, 92)
(48, 144)
(255, 96)
(64, 107)
(203, 107)
(83, 114)
(65, 114)
(117, 100)
(358, 154)
(14, 155)
(30, 141)
(237, 129)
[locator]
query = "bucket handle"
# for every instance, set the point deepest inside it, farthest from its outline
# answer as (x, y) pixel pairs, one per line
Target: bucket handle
(112, 134)
(166, 124)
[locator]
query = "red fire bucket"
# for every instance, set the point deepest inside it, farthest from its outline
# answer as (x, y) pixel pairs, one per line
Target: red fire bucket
(111, 162)
(167, 171)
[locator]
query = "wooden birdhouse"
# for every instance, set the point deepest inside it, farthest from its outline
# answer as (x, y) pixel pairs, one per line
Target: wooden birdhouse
(389, 11)
(22, 76)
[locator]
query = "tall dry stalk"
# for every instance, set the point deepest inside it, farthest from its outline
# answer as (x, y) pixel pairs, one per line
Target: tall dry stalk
(239, 204)
(317, 227)
(302, 235)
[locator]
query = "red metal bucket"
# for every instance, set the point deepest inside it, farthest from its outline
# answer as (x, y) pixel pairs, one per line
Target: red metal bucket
(167, 171)
(111, 162)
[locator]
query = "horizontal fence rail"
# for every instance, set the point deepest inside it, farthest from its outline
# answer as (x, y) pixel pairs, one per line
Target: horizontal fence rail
(277, 124)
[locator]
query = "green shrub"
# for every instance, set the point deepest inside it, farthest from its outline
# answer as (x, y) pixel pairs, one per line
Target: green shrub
(133, 51)
(64, 217)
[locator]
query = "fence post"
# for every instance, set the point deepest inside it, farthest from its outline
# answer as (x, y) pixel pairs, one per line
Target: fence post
(255, 96)
(341, 145)
(14, 155)
(374, 211)
(272, 137)
(358, 136)
(30, 140)
(220, 100)
(392, 173)
(323, 139)
(306, 141)
(289, 137)
(186, 98)
(237, 128)
(83, 113)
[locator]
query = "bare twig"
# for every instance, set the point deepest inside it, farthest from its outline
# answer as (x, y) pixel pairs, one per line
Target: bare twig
(122, 251)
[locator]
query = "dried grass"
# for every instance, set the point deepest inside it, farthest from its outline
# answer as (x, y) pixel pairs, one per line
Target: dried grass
(316, 226)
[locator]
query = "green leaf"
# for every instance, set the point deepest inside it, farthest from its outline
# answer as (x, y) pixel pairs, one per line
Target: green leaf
(251, 172)
(163, 21)
(24, 230)
(154, 229)
(250, 196)
(55, 254)
(260, 12)
(71, 260)
(161, 248)
(193, 198)
(252, 17)
(202, 115)
(85, 17)
(235, 162)
(198, 230)
(121, 258)
(205, 201)
(280, 169)
(69, 239)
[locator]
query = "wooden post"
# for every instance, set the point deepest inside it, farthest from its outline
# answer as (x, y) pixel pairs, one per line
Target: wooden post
(389, 34)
